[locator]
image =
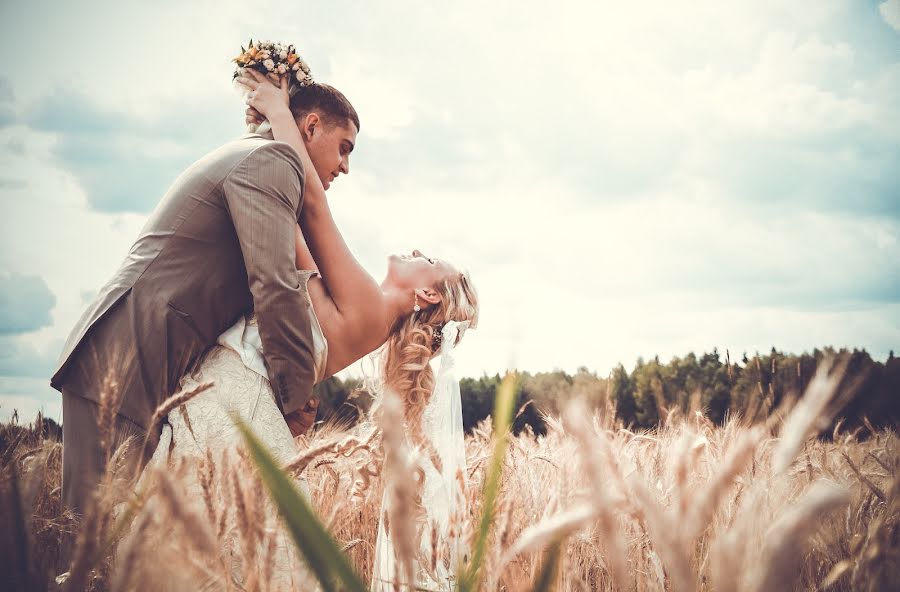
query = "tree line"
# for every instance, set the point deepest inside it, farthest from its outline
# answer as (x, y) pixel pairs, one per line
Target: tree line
(752, 388)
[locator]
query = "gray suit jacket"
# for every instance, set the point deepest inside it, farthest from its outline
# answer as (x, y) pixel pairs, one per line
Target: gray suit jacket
(219, 244)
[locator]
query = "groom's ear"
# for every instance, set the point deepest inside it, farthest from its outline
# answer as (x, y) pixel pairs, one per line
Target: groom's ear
(310, 125)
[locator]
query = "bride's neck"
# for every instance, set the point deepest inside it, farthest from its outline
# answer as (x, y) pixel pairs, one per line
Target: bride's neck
(396, 303)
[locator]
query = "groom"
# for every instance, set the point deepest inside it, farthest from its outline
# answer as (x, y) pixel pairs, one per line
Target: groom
(219, 243)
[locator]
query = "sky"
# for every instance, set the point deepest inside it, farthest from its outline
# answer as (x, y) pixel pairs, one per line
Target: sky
(620, 180)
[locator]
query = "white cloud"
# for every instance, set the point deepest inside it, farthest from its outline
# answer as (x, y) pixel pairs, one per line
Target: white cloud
(28, 396)
(377, 90)
(49, 231)
(890, 12)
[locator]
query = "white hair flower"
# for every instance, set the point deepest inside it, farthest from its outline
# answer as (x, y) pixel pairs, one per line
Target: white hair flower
(281, 69)
(283, 54)
(269, 64)
(295, 67)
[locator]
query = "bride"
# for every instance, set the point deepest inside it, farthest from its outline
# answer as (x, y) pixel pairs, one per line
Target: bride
(421, 303)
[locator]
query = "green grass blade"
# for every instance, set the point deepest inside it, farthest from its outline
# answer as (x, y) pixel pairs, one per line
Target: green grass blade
(503, 410)
(321, 551)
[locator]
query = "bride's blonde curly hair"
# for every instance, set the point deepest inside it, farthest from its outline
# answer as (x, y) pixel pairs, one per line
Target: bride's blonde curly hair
(416, 339)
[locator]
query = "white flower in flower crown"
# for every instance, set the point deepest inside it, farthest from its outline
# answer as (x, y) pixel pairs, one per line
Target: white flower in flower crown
(301, 76)
(295, 67)
(283, 54)
(281, 69)
(263, 55)
(269, 64)
(304, 67)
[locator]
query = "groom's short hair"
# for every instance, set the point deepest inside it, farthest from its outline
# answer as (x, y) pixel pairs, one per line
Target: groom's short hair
(327, 101)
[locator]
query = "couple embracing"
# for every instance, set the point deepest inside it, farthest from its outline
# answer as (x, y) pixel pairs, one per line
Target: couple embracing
(240, 279)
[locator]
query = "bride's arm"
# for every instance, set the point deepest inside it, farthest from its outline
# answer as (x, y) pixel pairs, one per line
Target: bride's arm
(304, 257)
(350, 285)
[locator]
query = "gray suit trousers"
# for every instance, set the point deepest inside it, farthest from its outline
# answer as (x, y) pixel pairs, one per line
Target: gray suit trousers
(84, 461)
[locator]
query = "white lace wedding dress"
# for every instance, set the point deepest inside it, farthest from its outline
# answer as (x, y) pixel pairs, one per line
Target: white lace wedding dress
(240, 385)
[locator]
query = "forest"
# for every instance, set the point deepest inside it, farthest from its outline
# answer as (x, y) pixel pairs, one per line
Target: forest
(715, 385)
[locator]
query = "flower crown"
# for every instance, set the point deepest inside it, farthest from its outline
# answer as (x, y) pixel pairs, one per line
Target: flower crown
(273, 60)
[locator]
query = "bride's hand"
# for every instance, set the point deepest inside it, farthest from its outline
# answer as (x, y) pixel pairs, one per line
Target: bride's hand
(302, 419)
(264, 96)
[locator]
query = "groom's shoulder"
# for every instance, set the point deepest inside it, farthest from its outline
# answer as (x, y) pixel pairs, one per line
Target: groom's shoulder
(239, 159)
(254, 149)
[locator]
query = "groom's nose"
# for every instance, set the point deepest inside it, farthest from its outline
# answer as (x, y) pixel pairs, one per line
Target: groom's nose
(345, 165)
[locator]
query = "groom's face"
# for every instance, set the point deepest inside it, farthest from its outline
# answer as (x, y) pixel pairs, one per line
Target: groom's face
(329, 144)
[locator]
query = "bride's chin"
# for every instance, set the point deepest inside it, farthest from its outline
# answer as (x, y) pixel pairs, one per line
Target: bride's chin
(392, 262)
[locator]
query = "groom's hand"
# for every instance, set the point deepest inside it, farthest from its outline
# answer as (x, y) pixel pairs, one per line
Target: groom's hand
(302, 419)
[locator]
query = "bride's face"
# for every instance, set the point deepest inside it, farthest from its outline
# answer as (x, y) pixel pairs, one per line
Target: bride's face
(329, 146)
(415, 270)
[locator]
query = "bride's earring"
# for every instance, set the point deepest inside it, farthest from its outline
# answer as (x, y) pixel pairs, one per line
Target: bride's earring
(416, 308)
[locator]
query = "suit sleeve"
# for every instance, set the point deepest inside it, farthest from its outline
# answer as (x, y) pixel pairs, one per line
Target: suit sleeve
(263, 195)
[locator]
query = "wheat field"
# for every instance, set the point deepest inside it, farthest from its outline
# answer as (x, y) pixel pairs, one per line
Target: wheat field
(590, 505)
